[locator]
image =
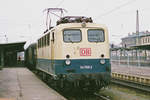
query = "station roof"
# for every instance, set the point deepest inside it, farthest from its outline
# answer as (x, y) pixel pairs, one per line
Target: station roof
(17, 46)
(141, 47)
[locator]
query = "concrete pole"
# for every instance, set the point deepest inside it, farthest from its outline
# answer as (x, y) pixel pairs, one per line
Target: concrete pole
(128, 57)
(139, 58)
(145, 55)
(119, 57)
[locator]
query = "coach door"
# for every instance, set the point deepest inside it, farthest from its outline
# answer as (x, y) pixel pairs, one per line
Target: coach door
(52, 49)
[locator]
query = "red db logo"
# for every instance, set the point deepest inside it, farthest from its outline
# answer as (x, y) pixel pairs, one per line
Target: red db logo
(85, 51)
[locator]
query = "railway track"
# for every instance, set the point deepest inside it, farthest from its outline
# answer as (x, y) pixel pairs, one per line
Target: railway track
(95, 96)
(102, 97)
(131, 84)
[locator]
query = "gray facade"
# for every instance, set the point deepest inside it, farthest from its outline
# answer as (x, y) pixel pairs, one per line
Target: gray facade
(134, 39)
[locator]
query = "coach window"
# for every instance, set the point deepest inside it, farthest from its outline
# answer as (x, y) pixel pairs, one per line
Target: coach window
(72, 35)
(96, 35)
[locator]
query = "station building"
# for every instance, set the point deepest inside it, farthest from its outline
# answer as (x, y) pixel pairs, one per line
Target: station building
(135, 39)
(135, 48)
(141, 40)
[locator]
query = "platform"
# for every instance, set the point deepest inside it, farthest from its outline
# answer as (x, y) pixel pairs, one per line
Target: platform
(132, 73)
(22, 84)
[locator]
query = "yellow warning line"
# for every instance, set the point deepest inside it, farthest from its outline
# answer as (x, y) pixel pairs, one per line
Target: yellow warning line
(6, 99)
(139, 79)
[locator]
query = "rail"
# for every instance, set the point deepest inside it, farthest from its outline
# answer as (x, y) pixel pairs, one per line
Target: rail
(102, 96)
(131, 84)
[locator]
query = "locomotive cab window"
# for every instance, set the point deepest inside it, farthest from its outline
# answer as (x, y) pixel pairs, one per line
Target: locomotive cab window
(72, 35)
(96, 35)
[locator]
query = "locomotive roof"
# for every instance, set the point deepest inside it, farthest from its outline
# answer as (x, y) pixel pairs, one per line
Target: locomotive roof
(73, 25)
(74, 19)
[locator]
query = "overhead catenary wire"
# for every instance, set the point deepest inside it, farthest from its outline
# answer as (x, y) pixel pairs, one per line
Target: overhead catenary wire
(116, 8)
(59, 3)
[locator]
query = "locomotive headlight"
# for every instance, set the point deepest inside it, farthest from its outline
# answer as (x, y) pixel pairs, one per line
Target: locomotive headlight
(102, 61)
(83, 24)
(68, 62)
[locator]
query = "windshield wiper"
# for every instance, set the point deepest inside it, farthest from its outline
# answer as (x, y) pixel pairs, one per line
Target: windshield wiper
(97, 39)
(70, 40)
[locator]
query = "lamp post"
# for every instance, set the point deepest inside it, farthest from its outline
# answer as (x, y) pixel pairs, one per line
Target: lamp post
(3, 38)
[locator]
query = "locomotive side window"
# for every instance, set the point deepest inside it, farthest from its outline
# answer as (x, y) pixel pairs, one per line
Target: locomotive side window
(72, 35)
(38, 43)
(53, 37)
(96, 35)
(44, 40)
(48, 36)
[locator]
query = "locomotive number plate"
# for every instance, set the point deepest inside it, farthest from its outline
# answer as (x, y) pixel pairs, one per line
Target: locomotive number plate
(86, 67)
(85, 51)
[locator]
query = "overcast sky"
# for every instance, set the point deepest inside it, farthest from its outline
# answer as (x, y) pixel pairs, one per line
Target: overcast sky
(21, 19)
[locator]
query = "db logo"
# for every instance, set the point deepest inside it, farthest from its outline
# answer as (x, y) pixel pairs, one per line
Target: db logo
(85, 51)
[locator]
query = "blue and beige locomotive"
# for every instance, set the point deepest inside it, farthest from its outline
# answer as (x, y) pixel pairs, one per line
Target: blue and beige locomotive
(75, 53)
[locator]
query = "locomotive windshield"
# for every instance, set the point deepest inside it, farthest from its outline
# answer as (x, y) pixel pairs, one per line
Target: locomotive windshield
(72, 35)
(95, 35)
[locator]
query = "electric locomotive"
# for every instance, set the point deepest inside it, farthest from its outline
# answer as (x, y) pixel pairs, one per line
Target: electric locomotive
(75, 53)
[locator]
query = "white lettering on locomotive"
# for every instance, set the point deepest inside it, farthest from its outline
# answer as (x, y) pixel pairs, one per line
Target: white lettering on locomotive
(86, 67)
